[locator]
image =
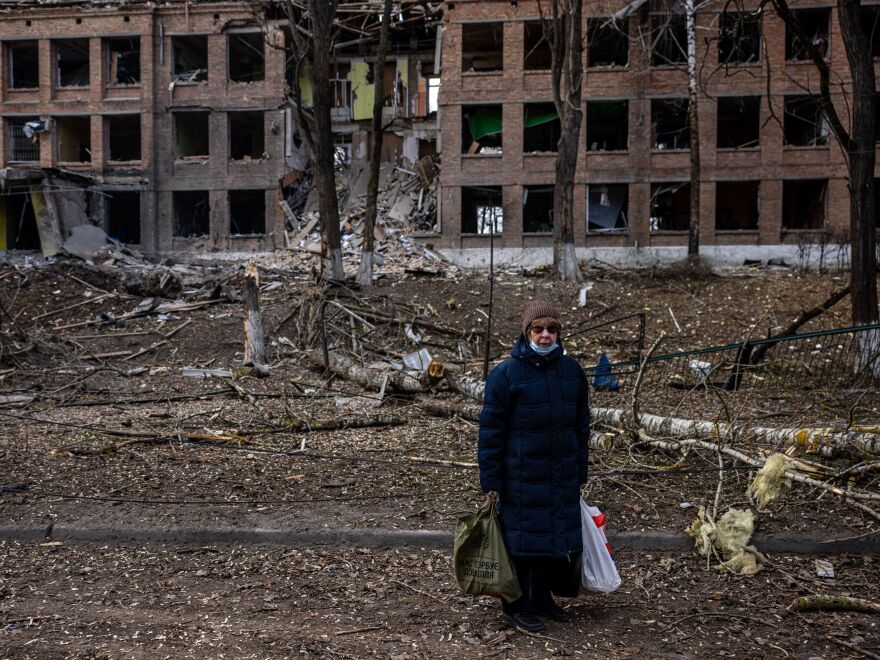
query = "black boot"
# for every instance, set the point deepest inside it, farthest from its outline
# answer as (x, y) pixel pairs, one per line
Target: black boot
(520, 614)
(551, 610)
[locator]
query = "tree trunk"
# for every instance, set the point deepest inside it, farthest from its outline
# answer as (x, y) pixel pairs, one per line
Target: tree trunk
(694, 130)
(322, 14)
(365, 273)
(254, 346)
(567, 77)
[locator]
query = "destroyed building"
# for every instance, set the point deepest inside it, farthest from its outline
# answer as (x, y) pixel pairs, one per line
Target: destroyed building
(773, 178)
(170, 126)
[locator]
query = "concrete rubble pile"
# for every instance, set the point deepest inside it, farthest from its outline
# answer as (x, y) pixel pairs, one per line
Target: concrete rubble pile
(407, 206)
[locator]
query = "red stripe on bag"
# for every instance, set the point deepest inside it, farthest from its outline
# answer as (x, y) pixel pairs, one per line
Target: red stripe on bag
(599, 520)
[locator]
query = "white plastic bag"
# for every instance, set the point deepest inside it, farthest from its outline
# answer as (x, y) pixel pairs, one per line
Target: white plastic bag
(599, 572)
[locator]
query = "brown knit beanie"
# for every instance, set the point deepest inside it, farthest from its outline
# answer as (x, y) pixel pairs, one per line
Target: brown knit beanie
(537, 309)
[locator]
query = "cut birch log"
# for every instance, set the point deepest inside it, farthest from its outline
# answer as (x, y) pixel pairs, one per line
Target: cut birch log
(866, 439)
(467, 385)
(399, 381)
(254, 346)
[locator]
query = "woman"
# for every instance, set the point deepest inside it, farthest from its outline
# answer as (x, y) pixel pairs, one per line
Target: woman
(533, 452)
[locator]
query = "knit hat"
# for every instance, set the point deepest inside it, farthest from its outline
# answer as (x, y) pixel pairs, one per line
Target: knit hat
(537, 309)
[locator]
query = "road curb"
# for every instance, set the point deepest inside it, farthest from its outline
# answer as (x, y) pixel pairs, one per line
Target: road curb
(657, 540)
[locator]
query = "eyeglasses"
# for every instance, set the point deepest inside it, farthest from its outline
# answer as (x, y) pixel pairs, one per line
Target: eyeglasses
(539, 329)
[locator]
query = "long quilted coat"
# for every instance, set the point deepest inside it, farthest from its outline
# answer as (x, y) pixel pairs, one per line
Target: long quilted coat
(533, 450)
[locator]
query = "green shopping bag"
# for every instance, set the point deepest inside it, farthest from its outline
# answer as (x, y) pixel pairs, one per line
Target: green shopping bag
(480, 559)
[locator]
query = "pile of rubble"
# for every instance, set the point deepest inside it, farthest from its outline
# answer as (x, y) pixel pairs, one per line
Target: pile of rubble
(407, 205)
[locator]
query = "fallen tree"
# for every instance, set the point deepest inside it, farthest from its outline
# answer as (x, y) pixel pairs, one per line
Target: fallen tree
(378, 379)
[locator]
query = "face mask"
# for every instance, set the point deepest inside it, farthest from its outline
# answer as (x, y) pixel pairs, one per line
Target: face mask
(540, 350)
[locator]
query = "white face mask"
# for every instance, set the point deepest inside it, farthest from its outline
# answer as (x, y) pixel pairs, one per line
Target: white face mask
(540, 350)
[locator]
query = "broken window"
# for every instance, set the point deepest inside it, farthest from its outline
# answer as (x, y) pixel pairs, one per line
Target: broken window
(871, 22)
(537, 209)
(607, 42)
(607, 207)
(668, 38)
(739, 38)
(21, 221)
(340, 90)
(814, 24)
(123, 216)
(482, 47)
(739, 122)
(481, 129)
(123, 60)
(247, 212)
(736, 205)
(607, 125)
(191, 135)
(124, 137)
(342, 149)
(247, 140)
(541, 127)
(247, 63)
(192, 213)
(433, 94)
(670, 206)
(71, 62)
(804, 124)
(21, 147)
(189, 58)
(481, 210)
(803, 204)
(22, 61)
(669, 120)
(74, 135)
(538, 56)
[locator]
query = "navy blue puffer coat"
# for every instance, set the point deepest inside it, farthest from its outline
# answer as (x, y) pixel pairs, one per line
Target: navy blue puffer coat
(533, 449)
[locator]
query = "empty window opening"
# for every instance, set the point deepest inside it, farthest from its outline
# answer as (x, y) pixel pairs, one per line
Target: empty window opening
(124, 137)
(189, 60)
(247, 63)
(803, 204)
(340, 89)
(537, 209)
(739, 122)
(22, 60)
(22, 145)
(21, 222)
(607, 125)
(482, 47)
(342, 149)
(739, 38)
(607, 207)
(247, 212)
(669, 120)
(814, 23)
(538, 56)
(246, 135)
(123, 216)
(72, 62)
(433, 94)
(192, 213)
(74, 139)
(871, 22)
(669, 39)
(541, 127)
(481, 210)
(877, 205)
(670, 207)
(191, 135)
(607, 42)
(481, 129)
(736, 205)
(804, 124)
(123, 60)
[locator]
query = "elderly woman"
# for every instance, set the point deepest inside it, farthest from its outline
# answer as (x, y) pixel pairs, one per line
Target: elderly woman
(533, 452)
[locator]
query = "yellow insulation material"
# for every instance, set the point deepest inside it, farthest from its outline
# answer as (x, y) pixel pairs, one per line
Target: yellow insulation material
(728, 538)
(770, 483)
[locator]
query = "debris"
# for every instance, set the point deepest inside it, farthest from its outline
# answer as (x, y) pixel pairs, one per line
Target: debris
(191, 372)
(85, 241)
(824, 568)
(770, 483)
(729, 536)
(419, 360)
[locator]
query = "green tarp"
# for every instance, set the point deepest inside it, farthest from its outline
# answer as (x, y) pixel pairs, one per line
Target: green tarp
(536, 117)
(484, 122)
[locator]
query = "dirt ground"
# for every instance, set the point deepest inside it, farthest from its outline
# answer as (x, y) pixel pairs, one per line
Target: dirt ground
(63, 458)
(89, 601)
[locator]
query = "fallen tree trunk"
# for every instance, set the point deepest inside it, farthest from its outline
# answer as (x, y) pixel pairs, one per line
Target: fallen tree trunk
(399, 381)
(307, 426)
(468, 385)
(866, 439)
(833, 603)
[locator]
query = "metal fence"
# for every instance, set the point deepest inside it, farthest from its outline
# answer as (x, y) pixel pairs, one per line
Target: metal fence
(19, 147)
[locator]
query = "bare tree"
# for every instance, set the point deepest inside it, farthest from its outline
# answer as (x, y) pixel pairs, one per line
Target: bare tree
(858, 143)
(694, 130)
(563, 31)
(365, 273)
(314, 51)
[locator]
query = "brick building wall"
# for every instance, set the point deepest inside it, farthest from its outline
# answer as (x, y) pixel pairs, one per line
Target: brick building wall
(152, 103)
(771, 164)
